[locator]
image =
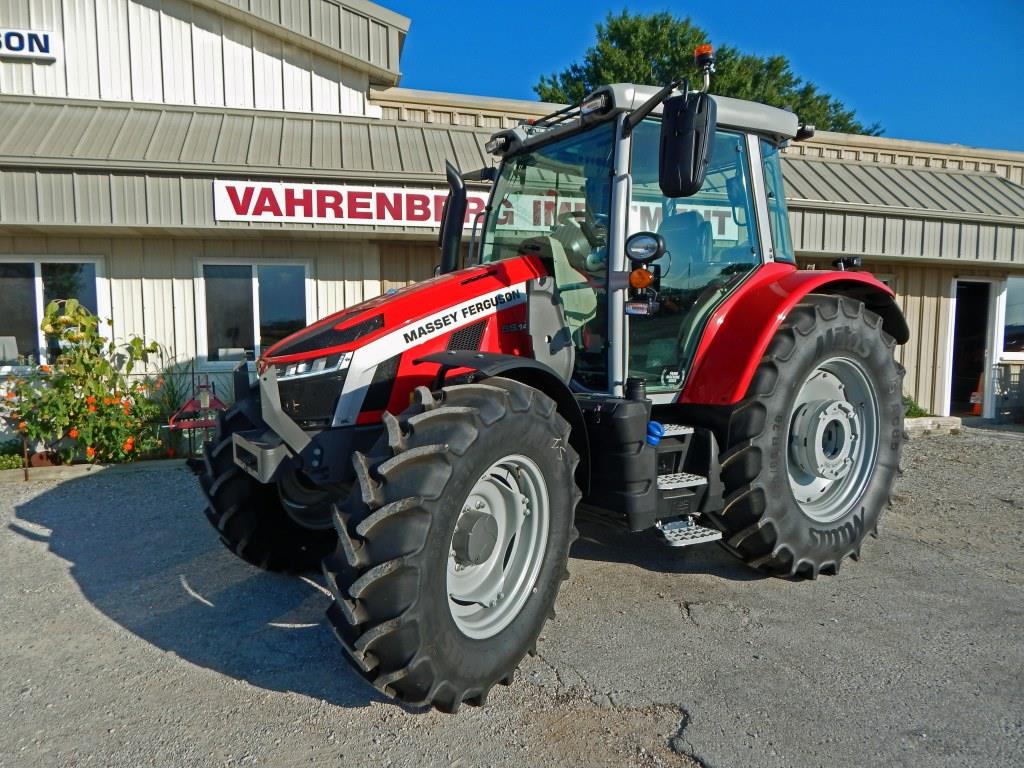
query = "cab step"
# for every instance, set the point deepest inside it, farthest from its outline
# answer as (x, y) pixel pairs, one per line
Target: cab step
(686, 533)
(676, 430)
(673, 480)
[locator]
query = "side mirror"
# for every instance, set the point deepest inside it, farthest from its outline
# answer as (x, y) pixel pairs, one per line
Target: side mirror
(687, 136)
(645, 247)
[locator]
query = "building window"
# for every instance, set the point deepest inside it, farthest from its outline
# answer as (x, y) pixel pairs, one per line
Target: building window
(26, 287)
(1013, 324)
(250, 307)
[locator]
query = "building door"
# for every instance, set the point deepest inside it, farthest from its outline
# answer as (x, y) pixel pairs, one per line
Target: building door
(970, 347)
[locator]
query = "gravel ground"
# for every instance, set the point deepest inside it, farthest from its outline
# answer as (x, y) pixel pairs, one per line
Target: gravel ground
(130, 637)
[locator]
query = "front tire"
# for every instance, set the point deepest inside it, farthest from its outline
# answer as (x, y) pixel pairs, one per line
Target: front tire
(441, 582)
(250, 517)
(812, 451)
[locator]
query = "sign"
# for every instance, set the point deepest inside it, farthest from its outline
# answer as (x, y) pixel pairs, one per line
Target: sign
(335, 203)
(421, 207)
(28, 44)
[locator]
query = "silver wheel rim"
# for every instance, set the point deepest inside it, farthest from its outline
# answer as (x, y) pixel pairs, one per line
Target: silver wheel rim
(833, 439)
(509, 501)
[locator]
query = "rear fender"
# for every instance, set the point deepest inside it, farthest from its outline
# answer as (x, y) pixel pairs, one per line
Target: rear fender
(534, 374)
(739, 331)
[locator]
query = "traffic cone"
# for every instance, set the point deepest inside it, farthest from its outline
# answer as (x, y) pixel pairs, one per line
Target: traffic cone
(978, 396)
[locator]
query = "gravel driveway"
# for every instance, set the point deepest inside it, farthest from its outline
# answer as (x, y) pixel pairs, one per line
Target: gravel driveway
(130, 637)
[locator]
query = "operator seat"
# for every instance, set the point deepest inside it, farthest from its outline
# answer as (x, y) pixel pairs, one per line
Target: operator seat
(688, 239)
(577, 295)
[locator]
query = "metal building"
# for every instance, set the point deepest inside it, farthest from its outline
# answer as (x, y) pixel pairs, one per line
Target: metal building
(212, 174)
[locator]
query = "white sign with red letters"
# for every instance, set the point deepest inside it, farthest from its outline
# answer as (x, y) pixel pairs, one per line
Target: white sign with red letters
(334, 203)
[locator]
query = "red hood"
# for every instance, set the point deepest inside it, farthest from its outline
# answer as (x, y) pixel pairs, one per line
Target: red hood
(401, 307)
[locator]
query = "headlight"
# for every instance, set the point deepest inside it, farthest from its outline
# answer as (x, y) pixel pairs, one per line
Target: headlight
(314, 366)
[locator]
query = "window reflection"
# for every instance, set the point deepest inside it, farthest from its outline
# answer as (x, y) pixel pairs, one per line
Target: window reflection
(229, 326)
(282, 291)
(18, 325)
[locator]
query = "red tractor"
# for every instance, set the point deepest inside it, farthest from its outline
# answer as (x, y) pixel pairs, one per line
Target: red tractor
(630, 331)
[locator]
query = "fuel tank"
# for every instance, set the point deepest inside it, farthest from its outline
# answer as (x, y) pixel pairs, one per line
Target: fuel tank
(351, 366)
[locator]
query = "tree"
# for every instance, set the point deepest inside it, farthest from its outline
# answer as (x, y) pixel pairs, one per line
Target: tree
(658, 47)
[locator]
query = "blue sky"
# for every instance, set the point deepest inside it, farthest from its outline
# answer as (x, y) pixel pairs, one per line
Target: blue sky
(948, 70)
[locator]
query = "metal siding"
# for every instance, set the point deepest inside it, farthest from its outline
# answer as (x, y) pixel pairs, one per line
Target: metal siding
(200, 141)
(326, 149)
(208, 58)
(169, 136)
(49, 79)
(92, 199)
(163, 201)
(15, 76)
(239, 71)
(176, 51)
(128, 200)
(19, 201)
(112, 37)
(267, 72)
(297, 78)
(145, 52)
(56, 193)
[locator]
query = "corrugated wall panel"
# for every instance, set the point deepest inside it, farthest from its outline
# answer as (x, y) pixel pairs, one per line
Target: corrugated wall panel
(49, 79)
(16, 76)
(19, 201)
(145, 52)
(163, 201)
(239, 72)
(176, 52)
(112, 33)
(325, 85)
(267, 72)
(128, 200)
(297, 78)
(80, 49)
(208, 58)
(92, 198)
(56, 194)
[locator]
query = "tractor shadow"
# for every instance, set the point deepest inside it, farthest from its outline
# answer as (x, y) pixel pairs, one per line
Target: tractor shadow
(143, 554)
(608, 541)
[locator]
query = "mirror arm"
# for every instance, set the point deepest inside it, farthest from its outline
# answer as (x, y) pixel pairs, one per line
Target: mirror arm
(637, 115)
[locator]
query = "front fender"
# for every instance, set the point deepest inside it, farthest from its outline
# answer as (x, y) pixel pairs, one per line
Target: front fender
(739, 331)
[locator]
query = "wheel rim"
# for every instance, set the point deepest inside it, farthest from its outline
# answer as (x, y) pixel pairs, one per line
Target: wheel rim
(304, 502)
(833, 439)
(498, 546)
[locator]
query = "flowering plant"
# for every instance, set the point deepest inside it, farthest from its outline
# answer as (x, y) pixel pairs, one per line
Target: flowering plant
(84, 404)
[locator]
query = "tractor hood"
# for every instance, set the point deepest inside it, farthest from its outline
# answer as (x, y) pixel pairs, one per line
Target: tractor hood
(410, 314)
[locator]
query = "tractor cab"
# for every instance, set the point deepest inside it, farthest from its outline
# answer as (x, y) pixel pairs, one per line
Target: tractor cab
(585, 191)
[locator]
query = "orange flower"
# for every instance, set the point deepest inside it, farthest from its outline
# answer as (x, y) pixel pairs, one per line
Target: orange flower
(159, 383)
(44, 368)
(108, 400)
(91, 399)
(92, 409)
(11, 396)
(73, 433)
(90, 452)
(128, 445)
(22, 426)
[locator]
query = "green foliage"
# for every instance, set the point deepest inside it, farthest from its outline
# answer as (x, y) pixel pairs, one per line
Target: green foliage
(655, 48)
(84, 405)
(912, 410)
(10, 455)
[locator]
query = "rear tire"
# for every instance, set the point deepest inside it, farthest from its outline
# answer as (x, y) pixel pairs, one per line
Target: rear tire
(784, 511)
(391, 575)
(249, 516)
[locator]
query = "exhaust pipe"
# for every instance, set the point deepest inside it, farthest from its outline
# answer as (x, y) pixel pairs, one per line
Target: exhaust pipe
(452, 218)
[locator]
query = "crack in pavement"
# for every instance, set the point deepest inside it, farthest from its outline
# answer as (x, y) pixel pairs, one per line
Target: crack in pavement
(681, 745)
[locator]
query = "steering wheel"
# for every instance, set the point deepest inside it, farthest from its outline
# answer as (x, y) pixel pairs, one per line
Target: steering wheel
(584, 221)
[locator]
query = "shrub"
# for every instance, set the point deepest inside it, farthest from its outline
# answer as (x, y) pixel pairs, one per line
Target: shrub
(912, 410)
(84, 406)
(10, 455)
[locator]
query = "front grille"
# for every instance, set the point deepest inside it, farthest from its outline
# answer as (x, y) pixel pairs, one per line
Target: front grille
(312, 400)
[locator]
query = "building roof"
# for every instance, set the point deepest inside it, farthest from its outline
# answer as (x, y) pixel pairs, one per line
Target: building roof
(923, 192)
(42, 133)
(361, 34)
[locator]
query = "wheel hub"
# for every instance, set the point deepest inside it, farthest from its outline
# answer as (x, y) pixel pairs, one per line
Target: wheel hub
(833, 439)
(823, 438)
(475, 537)
(498, 546)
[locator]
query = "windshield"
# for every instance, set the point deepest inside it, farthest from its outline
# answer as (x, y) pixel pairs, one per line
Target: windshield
(554, 202)
(711, 244)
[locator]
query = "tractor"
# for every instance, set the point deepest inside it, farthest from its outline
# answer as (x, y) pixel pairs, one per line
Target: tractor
(628, 330)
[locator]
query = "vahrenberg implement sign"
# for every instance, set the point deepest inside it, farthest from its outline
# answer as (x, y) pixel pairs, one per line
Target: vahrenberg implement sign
(28, 44)
(334, 203)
